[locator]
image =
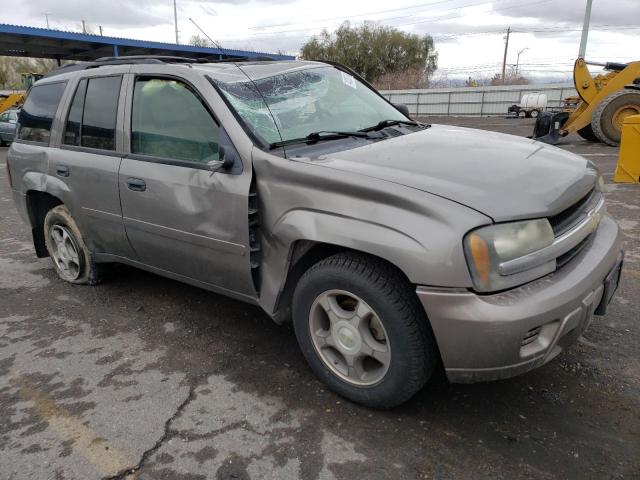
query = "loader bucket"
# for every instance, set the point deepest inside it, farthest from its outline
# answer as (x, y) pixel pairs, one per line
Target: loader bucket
(548, 125)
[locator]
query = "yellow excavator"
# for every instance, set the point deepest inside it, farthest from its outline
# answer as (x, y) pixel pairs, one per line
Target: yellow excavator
(16, 99)
(598, 112)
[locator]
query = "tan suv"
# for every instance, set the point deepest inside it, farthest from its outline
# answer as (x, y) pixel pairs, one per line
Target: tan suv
(393, 246)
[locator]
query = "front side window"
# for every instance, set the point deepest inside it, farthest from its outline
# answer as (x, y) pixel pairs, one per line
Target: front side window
(36, 116)
(169, 120)
(294, 104)
(91, 121)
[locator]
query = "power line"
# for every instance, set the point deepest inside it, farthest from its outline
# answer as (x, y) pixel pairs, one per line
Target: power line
(262, 27)
(431, 19)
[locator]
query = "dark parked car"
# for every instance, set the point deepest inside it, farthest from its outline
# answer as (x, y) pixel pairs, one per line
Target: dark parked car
(8, 121)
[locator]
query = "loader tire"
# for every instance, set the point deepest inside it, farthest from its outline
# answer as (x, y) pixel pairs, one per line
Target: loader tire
(610, 114)
(587, 134)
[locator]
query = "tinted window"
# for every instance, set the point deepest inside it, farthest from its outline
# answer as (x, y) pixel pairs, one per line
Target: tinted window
(38, 111)
(74, 119)
(4, 117)
(100, 108)
(169, 120)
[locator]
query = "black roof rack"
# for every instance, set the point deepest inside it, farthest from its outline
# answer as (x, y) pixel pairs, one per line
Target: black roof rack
(146, 59)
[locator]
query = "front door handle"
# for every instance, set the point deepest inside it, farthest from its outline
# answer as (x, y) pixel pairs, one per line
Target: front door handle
(62, 170)
(136, 184)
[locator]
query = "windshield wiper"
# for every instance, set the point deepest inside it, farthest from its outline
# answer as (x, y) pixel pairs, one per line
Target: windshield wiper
(321, 136)
(389, 123)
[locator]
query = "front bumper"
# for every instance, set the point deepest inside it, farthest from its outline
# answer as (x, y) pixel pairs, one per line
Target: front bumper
(489, 337)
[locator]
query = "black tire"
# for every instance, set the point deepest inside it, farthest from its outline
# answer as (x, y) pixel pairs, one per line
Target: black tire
(413, 352)
(603, 123)
(534, 113)
(89, 272)
(587, 134)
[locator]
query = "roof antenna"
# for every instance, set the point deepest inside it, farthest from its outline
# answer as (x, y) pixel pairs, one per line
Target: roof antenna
(205, 34)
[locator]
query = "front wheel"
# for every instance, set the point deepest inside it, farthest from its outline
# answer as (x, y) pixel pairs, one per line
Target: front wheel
(362, 330)
(587, 133)
(610, 114)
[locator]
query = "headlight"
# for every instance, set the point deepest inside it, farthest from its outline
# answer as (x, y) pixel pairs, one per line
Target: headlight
(487, 247)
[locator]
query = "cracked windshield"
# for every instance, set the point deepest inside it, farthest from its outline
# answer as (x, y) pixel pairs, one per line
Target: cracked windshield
(306, 101)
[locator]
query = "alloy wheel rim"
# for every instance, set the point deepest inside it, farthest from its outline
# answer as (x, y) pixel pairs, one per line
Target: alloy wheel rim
(65, 252)
(349, 337)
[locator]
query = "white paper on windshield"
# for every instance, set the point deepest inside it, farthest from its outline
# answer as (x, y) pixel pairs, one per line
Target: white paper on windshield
(348, 80)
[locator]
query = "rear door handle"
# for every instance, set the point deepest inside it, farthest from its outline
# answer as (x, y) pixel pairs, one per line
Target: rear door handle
(136, 184)
(62, 170)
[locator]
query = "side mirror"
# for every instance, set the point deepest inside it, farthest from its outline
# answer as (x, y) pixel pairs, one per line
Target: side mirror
(225, 162)
(402, 108)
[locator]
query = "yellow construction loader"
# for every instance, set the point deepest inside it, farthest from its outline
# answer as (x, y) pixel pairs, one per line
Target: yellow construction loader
(16, 99)
(598, 112)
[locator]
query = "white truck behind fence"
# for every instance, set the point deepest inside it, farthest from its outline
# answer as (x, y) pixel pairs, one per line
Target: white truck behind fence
(475, 101)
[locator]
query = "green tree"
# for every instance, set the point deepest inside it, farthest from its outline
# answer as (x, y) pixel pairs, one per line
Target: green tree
(374, 50)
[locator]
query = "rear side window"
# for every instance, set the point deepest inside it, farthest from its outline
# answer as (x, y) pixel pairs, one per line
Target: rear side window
(92, 116)
(74, 120)
(38, 111)
(170, 120)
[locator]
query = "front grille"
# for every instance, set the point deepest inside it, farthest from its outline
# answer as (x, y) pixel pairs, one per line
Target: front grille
(570, 217)
(567, 256)
(531, 336)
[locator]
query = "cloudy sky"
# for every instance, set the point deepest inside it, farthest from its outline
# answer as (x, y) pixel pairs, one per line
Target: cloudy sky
(469, 34)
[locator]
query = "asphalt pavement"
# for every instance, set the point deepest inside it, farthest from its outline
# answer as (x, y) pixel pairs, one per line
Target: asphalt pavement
(144, 377)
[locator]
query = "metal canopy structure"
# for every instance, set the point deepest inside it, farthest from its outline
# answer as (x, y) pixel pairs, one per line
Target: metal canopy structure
(21, 41)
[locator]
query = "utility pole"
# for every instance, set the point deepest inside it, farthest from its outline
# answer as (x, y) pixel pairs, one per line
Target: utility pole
(100, 27)
(585, 30)
(506, 49)
(46, 16)
(175, 20)
(84, 27)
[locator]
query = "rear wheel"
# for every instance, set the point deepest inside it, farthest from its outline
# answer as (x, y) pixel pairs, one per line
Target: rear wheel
(362, 330)
(71, 258)
(610, 115)
(587, 134)
(534, 113)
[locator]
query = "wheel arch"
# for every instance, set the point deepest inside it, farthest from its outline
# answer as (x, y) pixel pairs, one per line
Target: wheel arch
(38, 204)
(303, 254)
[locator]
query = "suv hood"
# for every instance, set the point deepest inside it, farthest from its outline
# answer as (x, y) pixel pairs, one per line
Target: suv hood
(503, 176)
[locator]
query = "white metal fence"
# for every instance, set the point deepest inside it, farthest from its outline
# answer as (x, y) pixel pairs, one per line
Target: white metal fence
(475, 101)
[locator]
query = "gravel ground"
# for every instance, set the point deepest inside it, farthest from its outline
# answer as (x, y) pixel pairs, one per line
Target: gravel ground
(146, 375)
